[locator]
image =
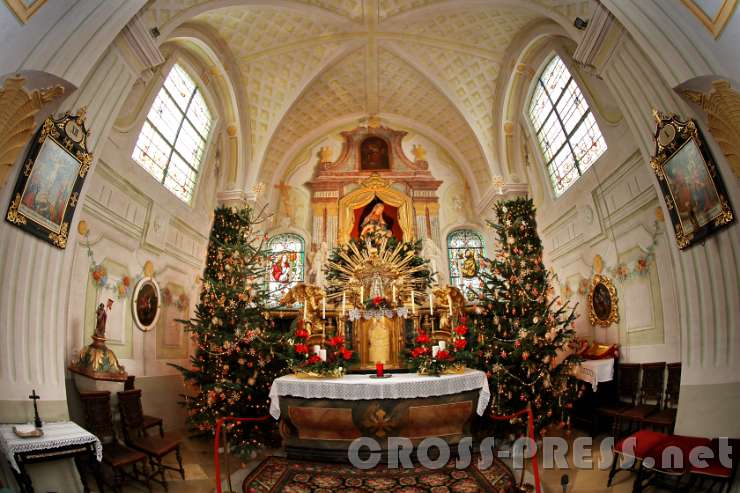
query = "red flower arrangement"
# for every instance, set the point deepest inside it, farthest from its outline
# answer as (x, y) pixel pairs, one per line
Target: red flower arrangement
(316, 365)
(452, 358)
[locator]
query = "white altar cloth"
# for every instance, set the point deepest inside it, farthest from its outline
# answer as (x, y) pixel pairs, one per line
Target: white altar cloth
(56, 435)
(595, 371)
(362, 387)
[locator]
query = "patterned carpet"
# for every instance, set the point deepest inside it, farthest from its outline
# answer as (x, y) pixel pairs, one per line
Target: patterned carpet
(280, 475)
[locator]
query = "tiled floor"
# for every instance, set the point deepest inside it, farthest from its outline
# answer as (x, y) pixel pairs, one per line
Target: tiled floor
(200, 475)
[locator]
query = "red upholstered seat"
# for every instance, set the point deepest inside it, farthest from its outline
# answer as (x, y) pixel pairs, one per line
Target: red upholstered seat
(672, 455)
(639, 444)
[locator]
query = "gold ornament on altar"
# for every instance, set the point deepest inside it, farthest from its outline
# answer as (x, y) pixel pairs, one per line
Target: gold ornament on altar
(325, 155)
(420, 154)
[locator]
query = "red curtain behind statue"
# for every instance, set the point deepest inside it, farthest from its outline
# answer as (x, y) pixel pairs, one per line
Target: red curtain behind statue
(390, 214)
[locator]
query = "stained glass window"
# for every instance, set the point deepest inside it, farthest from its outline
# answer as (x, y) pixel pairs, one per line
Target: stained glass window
(465, 251)
(286, 264)
(569, 137)
(173, 139)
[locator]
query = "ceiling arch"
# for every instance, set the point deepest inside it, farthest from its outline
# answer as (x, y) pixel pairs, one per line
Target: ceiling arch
(307, 63)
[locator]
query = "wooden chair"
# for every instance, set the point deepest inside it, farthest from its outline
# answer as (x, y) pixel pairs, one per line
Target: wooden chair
(132, 419)
(650, 396)
(716, 473)
(665, 419)
(627, 387)
(99, 421)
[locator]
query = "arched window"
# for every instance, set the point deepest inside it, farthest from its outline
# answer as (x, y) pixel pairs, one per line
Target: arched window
(172, 141)
(286, 264)
(569, 137)
(465, 250)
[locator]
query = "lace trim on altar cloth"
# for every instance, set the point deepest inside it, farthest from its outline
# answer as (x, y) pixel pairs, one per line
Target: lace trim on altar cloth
(361, 387)
(56, 435)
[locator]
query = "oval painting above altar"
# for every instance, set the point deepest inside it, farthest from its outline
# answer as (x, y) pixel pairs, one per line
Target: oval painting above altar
(374, 154)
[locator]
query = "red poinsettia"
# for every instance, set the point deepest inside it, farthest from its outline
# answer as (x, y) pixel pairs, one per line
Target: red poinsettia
(377, 300)
(301, 348)
(461, 330)
(346, 354)
(336, 341)
(301, 333)
(423, 338)
(315, 358)
(459, 344)
(419, 351)
(443, 355)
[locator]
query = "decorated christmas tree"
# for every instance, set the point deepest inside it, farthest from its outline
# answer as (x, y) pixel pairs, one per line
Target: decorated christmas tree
(234, 364)
(523, 329)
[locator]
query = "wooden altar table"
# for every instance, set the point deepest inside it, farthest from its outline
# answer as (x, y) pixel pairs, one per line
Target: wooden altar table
(319, 418)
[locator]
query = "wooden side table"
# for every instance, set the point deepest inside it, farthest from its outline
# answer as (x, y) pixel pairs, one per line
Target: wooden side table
(61, 440)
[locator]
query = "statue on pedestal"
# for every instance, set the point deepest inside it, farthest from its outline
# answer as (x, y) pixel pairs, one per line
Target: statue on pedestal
(96, 360)
(430, 251)
(317, 265)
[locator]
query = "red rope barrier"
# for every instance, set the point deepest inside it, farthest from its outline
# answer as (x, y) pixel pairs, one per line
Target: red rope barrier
(530, 432)
(219, 425)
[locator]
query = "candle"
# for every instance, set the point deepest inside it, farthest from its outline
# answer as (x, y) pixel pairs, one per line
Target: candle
(362, 294)
(305, 309)
(431, 303)
(442, 345)
(449, 302)
(435, 350)
(344, 302)
(379, 369)
(394, 293)
(322, 354)
(316, 349)
(323, 308)
(413, 304)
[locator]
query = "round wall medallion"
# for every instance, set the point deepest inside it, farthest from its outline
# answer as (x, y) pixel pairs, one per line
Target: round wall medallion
(146, 304)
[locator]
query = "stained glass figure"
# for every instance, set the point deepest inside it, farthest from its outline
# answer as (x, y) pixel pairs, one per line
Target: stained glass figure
(465, 251)
(286, 264)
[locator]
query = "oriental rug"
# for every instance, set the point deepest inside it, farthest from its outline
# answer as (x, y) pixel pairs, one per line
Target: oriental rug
(280, 475)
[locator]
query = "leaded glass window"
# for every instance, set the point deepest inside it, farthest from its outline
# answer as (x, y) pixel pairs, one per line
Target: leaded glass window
(172, 141)
(465, 252)
(286, 264)
(567, 132)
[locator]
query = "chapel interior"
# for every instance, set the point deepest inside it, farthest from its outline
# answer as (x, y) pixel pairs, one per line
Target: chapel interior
(240, 235)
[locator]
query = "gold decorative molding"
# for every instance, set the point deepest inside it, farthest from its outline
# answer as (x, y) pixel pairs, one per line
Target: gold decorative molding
(22, 10)
(722, 106)
(18, 109)
(722, 16)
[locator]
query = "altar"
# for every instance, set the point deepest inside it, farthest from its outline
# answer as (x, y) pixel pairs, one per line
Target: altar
(319, 418)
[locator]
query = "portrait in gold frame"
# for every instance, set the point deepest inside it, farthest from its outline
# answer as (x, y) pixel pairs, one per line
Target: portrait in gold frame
(603, 302)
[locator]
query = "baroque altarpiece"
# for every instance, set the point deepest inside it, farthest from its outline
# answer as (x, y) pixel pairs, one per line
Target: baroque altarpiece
(370, 207)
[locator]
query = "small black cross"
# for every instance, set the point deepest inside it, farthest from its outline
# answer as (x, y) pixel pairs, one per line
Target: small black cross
(36, 419)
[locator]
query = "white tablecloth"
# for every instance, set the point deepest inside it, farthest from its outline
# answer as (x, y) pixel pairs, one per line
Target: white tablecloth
(595, 371)
(361, 387)
(56, 435)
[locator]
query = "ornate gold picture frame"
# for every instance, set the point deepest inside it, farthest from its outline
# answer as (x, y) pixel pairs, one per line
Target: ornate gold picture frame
(692, 187)
(48, 187)
(603, 302)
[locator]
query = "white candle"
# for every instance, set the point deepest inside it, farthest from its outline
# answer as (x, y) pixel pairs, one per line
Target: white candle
(316, 349)
(305, 309)
(442, 345)
(449, 302)
(323, 307)
(362, 294)
(435, 350)
(344, 302)
(322, 354)
(394, 293)
(431, 303)
(413, 303)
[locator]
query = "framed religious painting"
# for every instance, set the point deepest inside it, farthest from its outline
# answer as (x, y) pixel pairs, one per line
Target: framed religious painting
(48, 188)
(146, 304)
(690, 181)
(603, 308)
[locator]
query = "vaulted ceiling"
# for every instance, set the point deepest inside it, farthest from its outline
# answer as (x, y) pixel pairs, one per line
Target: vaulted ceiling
(306, 64)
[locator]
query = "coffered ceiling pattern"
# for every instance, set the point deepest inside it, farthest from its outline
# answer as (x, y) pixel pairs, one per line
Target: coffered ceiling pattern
(306, 63)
